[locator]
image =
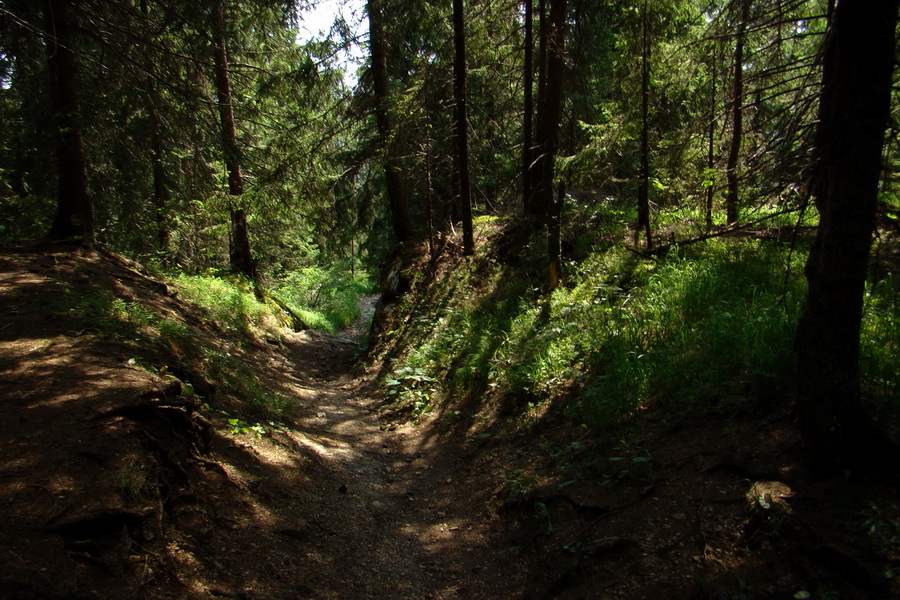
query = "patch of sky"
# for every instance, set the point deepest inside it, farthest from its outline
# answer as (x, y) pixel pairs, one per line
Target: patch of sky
(343, 21)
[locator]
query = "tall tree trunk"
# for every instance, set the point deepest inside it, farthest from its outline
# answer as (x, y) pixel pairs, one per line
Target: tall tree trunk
(429, 192)
(241, 257)
(549, 115)
(462, 119)
(644, 186)
(711, 146)
(853, 112)
(161, 194)
(74, 207)
(528, 108)
(737, 116)
(400, 217)
(536, 207)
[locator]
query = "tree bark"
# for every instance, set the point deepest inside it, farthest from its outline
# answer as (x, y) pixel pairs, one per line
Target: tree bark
(462, 119)
(737, 117)
(528, 108)
(711, 147)
(74, 219)
(644, 186)
(853, 112)
(536, 208)
(240, 254)
(161, 195)
(400, 217)
(549, 115)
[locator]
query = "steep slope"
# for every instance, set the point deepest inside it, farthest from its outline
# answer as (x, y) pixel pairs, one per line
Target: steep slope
(120, 480)
(146, 452)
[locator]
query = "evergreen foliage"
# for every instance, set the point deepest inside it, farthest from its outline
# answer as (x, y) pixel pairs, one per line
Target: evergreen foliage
(679, 120)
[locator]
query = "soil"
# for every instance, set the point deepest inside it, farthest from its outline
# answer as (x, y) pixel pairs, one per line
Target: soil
(117, 482)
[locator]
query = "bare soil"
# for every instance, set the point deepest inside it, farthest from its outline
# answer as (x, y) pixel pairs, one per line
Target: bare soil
(117, 482)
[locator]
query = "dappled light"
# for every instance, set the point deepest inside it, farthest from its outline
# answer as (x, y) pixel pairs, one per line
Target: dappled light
(469, 300)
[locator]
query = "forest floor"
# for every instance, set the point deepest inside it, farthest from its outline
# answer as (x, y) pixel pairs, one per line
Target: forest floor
(115, 482)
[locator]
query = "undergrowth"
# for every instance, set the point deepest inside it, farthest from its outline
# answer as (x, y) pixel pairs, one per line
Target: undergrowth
(230, 302)
(324, 298)
(704, 325)
(164, 343)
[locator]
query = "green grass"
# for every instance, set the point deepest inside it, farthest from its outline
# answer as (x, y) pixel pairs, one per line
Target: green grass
(230, 302)
(325, 299)
(691, 331)
(709, 323)
(880, 347)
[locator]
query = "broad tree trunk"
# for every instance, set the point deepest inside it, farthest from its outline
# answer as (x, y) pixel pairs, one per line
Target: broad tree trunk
(462, 139)
(400, 217)
(853, 112)
(644, 176)
(528, 109)
(74, 207)
(737, 116)
(241, 257)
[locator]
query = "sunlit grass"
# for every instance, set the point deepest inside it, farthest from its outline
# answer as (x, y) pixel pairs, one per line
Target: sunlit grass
(230, 302)
(325, 299)
(706, 325)
(711, 322)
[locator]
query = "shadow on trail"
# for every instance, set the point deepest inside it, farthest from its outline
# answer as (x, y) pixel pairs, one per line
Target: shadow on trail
(390, 512)
(116, 484)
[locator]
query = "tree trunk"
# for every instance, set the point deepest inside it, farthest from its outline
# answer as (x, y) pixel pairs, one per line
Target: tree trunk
(644, 189)
(711, 146)
(241, 257)
(161, 195)
(549, 105)
(549, 115)
(853, 112)
(400, 218)
(74, 209)
(737, 117)
(536, 207)
(462, 141)
(528, 109)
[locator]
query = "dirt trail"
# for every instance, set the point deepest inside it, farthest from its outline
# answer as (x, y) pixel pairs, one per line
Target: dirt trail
(401, 519)
(115, 485)
(116, 482)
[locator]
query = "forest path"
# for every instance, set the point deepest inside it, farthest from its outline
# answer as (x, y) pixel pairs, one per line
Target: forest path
(112, 489)
(390, 510)
(116, 482)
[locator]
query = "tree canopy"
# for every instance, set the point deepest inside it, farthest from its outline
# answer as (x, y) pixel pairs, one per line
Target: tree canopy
(210, 136)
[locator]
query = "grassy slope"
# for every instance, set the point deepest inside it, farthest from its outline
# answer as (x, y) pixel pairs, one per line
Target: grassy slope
(632, 362)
